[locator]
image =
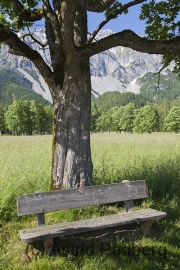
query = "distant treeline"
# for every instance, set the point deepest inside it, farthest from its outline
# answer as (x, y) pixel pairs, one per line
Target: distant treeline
(26, 117)
(29, 117)
(116, 99)
(130, 118)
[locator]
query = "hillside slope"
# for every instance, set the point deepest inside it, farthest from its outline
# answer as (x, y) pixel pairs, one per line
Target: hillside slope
(14, 86)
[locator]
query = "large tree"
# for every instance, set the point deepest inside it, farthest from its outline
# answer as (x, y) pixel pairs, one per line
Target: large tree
(68, 75)
(147, 120)
(172, 120)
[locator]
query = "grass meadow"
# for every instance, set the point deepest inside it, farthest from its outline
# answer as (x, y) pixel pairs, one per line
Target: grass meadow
(25, 166)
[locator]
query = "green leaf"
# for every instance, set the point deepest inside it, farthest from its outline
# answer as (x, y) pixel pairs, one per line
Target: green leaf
(114, 8)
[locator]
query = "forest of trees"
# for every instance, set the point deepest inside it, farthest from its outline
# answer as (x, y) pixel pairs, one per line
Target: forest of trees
(149, 118)
(28, 117)
(115, 98)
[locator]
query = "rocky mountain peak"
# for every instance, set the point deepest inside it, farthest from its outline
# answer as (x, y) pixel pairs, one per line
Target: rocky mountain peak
(117, 69)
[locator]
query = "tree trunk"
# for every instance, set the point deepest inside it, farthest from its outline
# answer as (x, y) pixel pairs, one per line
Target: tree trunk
(71, 157)
(71, 154)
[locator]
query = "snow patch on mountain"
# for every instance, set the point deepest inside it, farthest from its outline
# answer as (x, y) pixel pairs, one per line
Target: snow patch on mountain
(106, 84)
(40, 87)
(133, 87)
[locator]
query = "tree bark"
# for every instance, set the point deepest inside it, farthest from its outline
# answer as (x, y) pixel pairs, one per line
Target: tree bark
(72, 164)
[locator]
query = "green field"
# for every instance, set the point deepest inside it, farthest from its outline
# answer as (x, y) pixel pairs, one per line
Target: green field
(25, 166)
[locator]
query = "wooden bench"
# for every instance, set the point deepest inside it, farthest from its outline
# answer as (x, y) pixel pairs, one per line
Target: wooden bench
(41, 202)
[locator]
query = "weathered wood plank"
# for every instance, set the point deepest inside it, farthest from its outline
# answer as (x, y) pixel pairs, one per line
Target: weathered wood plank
(40, 217)
(69, 228)
(72, 198)
(128, 204)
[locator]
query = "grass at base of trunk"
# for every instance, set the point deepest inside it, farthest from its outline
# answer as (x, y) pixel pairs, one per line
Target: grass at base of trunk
(25, 166)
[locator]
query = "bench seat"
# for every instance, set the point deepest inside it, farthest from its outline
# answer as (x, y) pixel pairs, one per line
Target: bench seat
(80, 226)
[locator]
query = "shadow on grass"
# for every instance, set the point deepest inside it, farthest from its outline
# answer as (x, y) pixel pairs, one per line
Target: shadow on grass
(119, 248)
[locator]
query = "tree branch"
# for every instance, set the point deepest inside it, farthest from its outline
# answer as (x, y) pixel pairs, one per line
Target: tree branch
(53, 34)
(34, 39)
(159, 72)
(113, 15)
(129, 39)
(98, 6)
(18, 47)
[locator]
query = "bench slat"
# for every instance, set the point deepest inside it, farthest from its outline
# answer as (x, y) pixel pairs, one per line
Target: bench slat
(72, 198)
(69, 228)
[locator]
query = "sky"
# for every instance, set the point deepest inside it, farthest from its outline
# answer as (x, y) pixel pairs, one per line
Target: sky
(123, 22)
(129, 21)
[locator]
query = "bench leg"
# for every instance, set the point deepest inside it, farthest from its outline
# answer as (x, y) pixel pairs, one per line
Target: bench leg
(48, 246)
(145, 226)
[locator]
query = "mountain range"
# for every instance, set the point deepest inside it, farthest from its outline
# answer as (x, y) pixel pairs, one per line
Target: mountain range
(117, 69)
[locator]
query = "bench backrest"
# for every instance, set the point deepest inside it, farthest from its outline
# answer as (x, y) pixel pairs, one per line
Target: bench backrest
(42, 202)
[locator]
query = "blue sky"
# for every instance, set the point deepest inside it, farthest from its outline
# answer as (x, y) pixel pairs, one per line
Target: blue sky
(129, 21)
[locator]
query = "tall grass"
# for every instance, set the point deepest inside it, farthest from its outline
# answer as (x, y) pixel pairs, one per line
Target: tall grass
(25, 166)
(153, 157)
